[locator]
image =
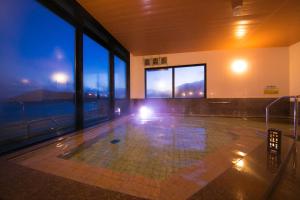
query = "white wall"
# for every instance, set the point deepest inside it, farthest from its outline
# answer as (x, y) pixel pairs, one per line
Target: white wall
(294, 54)
(266, 66)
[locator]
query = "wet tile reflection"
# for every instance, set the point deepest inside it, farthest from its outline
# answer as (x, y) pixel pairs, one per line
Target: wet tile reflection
(154, 149)
(159, 158)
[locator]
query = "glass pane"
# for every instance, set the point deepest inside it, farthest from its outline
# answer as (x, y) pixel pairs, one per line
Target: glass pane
(120, 78)
(159, 83)
(37, 74)
(189, 82)
(95, 81)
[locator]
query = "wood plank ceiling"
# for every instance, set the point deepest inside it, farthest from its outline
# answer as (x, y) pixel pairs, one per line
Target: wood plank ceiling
(148, 27)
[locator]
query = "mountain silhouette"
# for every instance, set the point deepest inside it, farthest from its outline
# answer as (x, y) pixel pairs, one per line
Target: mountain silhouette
(194, 87)
(42, 95)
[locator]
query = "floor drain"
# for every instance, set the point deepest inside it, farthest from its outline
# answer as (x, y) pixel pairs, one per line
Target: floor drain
(115, 141)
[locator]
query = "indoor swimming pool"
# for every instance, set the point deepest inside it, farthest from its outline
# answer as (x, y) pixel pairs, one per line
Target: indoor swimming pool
(145, 157)
(153, 148)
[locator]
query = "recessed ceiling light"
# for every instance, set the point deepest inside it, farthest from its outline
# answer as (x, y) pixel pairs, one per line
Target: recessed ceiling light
(240, 32)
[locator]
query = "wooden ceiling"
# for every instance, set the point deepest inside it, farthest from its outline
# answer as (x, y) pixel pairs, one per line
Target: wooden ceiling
(147, 27)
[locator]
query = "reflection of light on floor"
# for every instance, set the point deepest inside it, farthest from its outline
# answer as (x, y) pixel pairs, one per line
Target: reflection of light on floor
(239, 195)
(118, 111)
(238, 164)
(58, 145)
(145, 112)
(155, 148)
(240, 153)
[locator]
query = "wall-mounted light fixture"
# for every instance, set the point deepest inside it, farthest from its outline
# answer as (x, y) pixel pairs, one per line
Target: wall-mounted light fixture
(239, 66)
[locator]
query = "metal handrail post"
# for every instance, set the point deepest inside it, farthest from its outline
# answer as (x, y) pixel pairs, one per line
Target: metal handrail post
(267, 118)
(296, 118)
(295, 113)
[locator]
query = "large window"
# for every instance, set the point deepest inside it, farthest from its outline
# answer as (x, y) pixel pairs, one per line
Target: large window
(120, 78)
(37, 73)
(95, 81)
(186, 81)
(40, 98)
(159, 83)
(189, 82)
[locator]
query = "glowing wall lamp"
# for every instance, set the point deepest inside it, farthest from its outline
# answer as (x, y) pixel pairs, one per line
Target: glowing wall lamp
(238, 164)
(239, 66)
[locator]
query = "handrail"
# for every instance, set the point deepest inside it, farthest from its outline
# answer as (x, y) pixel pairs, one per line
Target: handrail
(278, 99)
(295, 112)
(296, 115)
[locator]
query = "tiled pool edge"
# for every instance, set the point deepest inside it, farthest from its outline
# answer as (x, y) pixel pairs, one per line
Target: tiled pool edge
(280, 171)
(40, 185)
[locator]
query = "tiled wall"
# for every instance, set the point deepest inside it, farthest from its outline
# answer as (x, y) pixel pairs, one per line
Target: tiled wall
(238, 107)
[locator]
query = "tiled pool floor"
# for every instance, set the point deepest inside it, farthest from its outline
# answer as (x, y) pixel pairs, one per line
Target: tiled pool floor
(153, 149)
(153, 159)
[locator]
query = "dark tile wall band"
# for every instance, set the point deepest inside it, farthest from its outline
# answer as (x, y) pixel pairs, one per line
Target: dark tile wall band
(237, 107)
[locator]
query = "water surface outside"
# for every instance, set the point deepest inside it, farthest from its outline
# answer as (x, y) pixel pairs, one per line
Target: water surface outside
(21, 121)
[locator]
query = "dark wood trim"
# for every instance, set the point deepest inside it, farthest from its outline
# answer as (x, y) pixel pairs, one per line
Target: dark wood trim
(128, 70)
(173, 82)
(231, 107)
(205, 81)
(145, 84)
(79, 79)
(112, 85)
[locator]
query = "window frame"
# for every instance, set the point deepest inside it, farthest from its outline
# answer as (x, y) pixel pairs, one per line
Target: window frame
(173, 80)
(84, 23)
(155, 69)
(127, 90)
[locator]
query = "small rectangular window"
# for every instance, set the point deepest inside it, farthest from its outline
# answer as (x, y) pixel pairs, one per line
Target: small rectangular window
(186, 81)
(189, 82)
(159, 83)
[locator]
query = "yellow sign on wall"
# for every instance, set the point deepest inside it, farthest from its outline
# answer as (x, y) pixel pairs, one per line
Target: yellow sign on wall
(271, 89)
